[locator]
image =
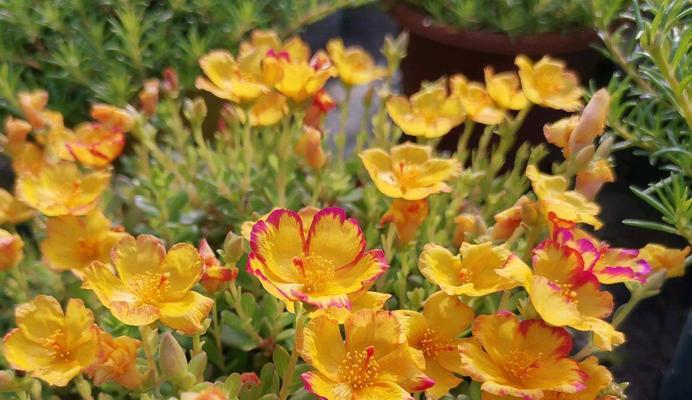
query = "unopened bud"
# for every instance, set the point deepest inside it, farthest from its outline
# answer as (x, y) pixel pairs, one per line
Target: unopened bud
(170, 83)
(7, 381)
(655, 281)
(195, 110)
(233, 248)
(394, 50)
(584, 157)
(197, 366)
(172, 358)
(605, 148)
(149, 96)
(529, 213)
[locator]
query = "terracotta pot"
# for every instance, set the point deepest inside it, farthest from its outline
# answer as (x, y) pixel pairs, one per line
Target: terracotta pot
(436, 50)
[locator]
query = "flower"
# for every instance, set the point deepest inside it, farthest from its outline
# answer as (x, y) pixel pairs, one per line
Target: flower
(52, 345)
(354, 65)
(555, 199)
(74, 242)
(309, 147)
(466, 225)
(616, 265)
(151, 284)
(16, 131)
(408, 171)
(477, 103)
(590, 180)
(116, 362)
(11, 253)
(268, 109)
(598, 379)
(361, 300)
(62, 189)
(565, 292)
(429, 113)
(230, 79)
(372, 363)
(95, 146)
(505, 89)
(13, 211)
(303, 79)
(321, 268)
(407, 216)
(214, 275)
(662, 258)
(321, 104)
(471, 273)
(520, 358)
(306, 214)
(548, 84)
(33, 105)
(435, 333)
(112, 118)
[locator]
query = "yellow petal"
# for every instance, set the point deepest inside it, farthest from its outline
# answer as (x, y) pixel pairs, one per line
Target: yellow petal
(135, 257)
(325, 388)
(23, 353)
(336, 238)
(39, 318)
(187, 313)
(382, 390)
(379, 329)
(444, 379)
(379, 166)
(275, 244)
(404, 365)
(183, 266)
(323, 347)
(447, 314)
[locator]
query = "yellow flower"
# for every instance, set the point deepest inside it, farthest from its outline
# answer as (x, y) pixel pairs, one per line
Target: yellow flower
(409, 172)
(74, 242)
(520, 358)
(548, 84)
(16, 131)
(372, 363)
(590, 180)
(565, 292)
(11, 253)
(471, 273)
(321, 268)
(466, 226)
(151, 284)
(662, 258)
(28, 160)
(306, 214)
(362, 300)
(354, 65)
(95, 146)
(478, 104)
(505, 89)
(268, 109)
(598, 379)
(555, 199)
(52, 345)
(435, 332)
(61, 189)
(309, 147)
(116, 362)
(430, 113)
(407, 216)
(13, 211)
(230, 79)
(112, 118)
(303, 79)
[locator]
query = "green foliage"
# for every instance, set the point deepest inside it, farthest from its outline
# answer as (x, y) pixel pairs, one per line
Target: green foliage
(85, 51)
(651, 109)
(516, 18)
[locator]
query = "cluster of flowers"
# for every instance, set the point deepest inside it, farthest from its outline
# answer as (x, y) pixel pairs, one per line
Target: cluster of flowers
(546, 269)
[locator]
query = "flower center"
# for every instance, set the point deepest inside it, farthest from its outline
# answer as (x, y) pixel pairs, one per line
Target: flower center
(520, 365)
(465, 275)
(432, 344)
(359, 368)
(88, 250)
(569, 293)
(317, 271)
(57, 342)
(408, 174)
(149, 287)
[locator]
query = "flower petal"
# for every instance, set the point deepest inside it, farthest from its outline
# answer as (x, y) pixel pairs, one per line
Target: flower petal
(183, 265)
(135, 257)
(23, 353)
(447, 314)
(187, 313)
(334, 237)
(404, 366)
(323, 347)
(382, 390)
(379, 329)
(39, 318)
(444, 379)
(276, 243)
(324, 388)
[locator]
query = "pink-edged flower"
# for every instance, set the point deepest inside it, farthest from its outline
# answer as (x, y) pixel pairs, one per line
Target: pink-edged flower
(321, 267)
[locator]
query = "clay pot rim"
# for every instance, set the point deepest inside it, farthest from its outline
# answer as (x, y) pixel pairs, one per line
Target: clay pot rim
(492, 42)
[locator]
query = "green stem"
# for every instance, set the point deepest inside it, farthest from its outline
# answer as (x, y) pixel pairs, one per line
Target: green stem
(340, 139)
(249, 152)
(504, 300)
(287, 379)
(462, 144)
(584, 352)
(146, 332)
(216, 332)
(244, 318)
(625, 310)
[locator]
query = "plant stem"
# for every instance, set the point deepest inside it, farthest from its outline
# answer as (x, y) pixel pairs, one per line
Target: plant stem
(287, 379)
(340, 139)
(249, 151)
(146, 331)
(216, 332)
(625, 310)
(504, 300)
(462, 144)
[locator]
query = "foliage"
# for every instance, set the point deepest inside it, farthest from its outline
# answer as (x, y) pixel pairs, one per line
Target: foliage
(516, 18)
(651, 104)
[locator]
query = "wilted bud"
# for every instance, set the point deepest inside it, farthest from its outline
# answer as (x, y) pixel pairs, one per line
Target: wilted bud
(33, 104)
(530, 214)
(233, 247)
(149, 96)
(591, 122)
(407, 216)
(465, 226)
(558, 133)
(172, 359)
(322, 103)
(214, 275)
(170, 83)
(507, 221)
(195, 110)
(605, 148)
(16, 131)
(394, 50)
(113, 117)
(309, 147)
(11, 246)
(591, 179)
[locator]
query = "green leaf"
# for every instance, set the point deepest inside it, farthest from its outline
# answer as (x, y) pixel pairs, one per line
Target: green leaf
(281, 359)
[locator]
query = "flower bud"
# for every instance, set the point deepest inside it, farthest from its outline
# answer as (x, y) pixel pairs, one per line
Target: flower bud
(466, 226)
(529, 213)
(233, 248)
(584, 156)
(11, 246)
(210, 393)
(170, 83)
(7, 381)
(407, 216)
(172, 358)
(605, 148)
(197, 366)
(591, 122)
(149, 96)
(195, 110)
(249, 378)
(309, 147)
(16, 131)
(394, 50)
(32, 105)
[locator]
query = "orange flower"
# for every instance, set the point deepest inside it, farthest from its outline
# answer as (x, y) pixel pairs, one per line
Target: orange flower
(507, 221)
(435, 333)
(372, 363)
(214, 275)
(466, 226)
(321, 268)
(96, 146)
(151, 284)
(11, 246)
(407, 216)
(322, 103)
(113, 118)
(309, 147)
(520, 358)
(116, 362)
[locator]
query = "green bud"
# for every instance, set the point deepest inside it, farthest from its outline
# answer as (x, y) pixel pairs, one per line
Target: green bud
(172, 358)
(7, 381)
(394, 50)
(605, 148)
(233, 248)
(195, 110)
(197, 366)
